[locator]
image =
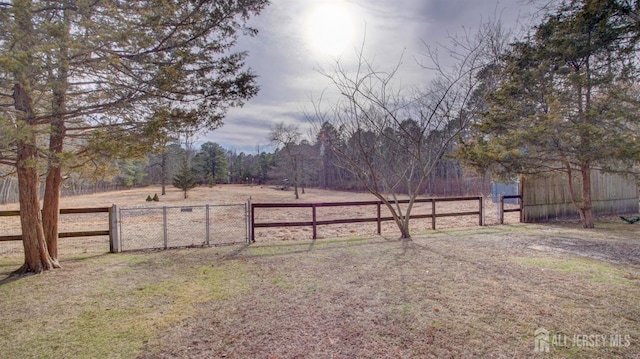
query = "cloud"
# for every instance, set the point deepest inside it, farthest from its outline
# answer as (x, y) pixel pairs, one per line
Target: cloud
(248, 128)
(287, 65)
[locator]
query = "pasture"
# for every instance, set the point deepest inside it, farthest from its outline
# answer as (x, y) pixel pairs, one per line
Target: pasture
(459, 291)
(148, 223)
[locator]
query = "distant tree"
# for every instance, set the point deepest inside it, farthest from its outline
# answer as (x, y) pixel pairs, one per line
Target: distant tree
(7, 183)
(164, 164)
(266, 161)
(165, 126)
(185, 180)
(567, 102)
(211, 164)
(309, 164)
(330, 174)
(288, 137)
(237, 166)
(131, 172)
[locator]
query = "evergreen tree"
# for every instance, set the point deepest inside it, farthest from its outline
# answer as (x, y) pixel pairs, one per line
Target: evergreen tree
(86, 73)
(185, 180)
(566, 102)
(211, 164)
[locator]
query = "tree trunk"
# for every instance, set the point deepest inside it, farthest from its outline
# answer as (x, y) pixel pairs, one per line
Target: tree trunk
(163, 170)
(401, 221)
(53, 184)
(36, 254)
(295, 176)
(213, 170)
(51, 203)
(404, 228)
(51, 210)
(588, 220)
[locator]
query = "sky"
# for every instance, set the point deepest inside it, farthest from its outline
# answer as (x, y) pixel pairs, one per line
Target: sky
(299, 38)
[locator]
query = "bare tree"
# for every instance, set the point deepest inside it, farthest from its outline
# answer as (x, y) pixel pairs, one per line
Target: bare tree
(288, 137)
(392, 138)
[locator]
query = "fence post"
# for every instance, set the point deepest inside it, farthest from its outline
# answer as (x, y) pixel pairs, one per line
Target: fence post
(114, 239)
(164, 227)
(207, 223)
(379, 219)
(313, 220)
(481, 210)
(501, 210)
(252, 221)
(433, 214)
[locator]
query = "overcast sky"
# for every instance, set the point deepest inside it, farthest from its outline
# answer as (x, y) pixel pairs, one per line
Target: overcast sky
(298, 37)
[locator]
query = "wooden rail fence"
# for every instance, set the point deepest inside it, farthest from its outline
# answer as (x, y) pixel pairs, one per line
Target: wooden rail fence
(314, 222)
(111, 232)
(502, 211)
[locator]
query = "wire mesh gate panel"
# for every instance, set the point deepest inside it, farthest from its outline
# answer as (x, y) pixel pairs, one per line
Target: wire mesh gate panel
(184, 226)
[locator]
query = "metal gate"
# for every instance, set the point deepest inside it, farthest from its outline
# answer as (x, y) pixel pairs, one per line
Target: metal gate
(183, 226)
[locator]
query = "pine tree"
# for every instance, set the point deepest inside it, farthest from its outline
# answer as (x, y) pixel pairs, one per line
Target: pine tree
(185, 180)
(85, 74)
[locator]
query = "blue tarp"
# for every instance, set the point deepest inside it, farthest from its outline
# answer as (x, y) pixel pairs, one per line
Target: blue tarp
(504, 189)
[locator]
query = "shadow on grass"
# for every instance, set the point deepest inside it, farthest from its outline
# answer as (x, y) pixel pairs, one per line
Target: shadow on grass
(271, 249)
(11, 277)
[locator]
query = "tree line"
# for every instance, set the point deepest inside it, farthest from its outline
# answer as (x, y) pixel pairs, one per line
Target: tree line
(212, 164)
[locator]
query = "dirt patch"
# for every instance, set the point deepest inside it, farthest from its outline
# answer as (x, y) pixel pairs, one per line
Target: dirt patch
(612, 241)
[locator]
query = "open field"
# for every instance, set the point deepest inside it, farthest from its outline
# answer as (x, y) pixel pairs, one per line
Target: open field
(450, 293)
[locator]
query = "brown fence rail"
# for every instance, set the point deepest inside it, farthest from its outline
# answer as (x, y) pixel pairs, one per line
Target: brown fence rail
(314, 222)
(67, 234)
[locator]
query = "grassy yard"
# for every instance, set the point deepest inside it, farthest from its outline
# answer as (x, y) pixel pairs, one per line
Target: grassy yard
(460, 293)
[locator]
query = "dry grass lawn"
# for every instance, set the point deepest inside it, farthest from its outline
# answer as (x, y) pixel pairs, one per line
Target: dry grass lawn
(451, 293)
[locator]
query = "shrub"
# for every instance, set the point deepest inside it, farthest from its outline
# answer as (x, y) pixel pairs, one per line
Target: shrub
(156, 198)
(149, 199)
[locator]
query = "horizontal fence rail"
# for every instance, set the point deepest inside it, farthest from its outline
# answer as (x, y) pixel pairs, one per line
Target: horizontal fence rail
(314, 222)
(64, 234)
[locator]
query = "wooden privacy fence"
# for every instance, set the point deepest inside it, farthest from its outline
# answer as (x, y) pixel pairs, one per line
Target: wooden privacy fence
(314, 222)
(546, 198)
(111, 232)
